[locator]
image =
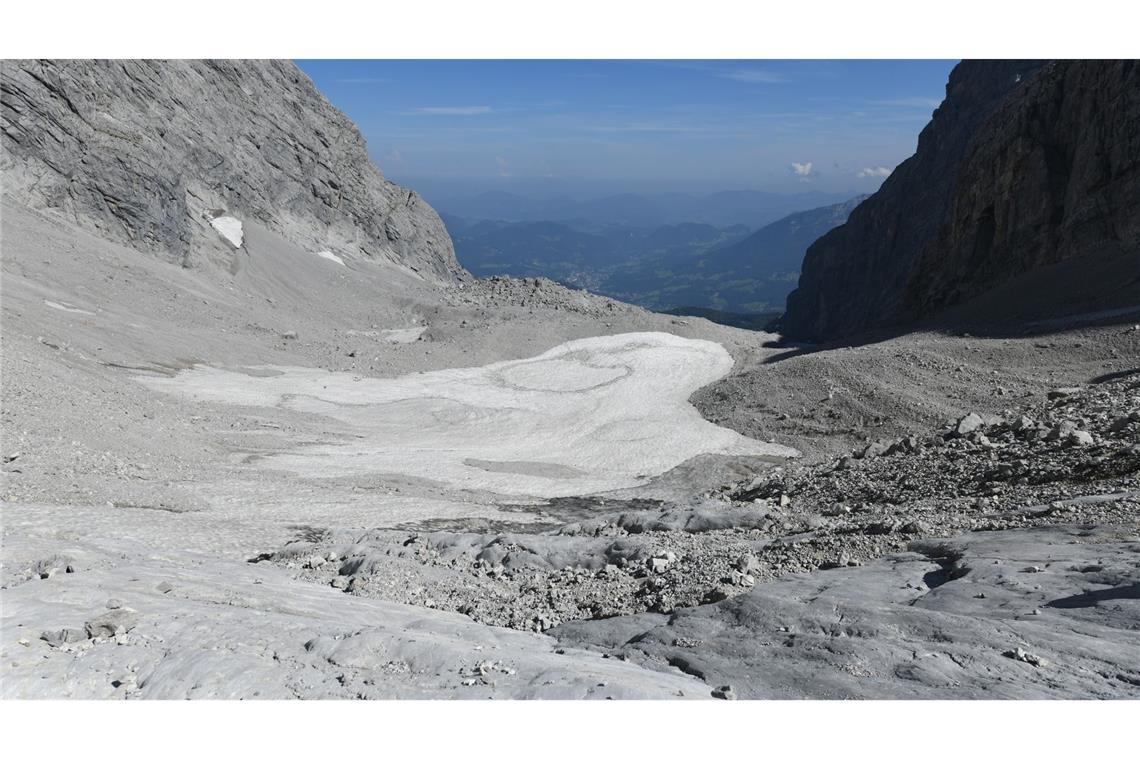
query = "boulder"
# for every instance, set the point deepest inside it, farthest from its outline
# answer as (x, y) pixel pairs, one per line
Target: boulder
(1081, 438)
(969, 424)
(111, 623)
(64, 636)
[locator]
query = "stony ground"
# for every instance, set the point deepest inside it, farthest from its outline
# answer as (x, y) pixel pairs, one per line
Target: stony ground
(1070, 458)
(196, 571)
(826, 402)
(1035, 613)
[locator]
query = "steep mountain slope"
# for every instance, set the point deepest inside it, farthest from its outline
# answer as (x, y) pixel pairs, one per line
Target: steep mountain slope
(1053, 179)
(853, 277)
(1025, 189)
(150, 152)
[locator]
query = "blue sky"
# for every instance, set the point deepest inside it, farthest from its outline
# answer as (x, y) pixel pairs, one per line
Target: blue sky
(786, 126)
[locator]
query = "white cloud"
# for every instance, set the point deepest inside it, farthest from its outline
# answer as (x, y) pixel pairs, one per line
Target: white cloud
(754, 76)
(504, 167)
(449, 111)
(804, 170)
(874, 171)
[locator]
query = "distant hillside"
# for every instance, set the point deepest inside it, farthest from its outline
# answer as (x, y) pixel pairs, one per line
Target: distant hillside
(755, 321)
(749, 276)
(751, 208)
(780, 246)
(530, 249)
(581, 255)
(689, 265)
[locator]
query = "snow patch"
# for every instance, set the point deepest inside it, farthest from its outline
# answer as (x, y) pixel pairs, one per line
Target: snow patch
(230, 228)
(331, 257)
(403, 335)
(591, 415)
(65, 307)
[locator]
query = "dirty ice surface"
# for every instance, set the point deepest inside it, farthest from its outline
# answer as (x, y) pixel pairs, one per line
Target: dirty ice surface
(591, 415)
(229, 228)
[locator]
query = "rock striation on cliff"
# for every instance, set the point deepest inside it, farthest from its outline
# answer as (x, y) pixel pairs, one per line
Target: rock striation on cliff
(155, 153)
(1024, 166)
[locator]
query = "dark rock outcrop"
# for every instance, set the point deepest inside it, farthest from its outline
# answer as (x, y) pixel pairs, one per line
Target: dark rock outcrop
(1054, 176)
(147, 152)
(1024, 166)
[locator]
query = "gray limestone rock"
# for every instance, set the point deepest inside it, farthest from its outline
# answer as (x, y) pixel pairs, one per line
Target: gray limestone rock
(151, 152)
(63, 636)
(944, 620)
(969, 424)
(111, 623)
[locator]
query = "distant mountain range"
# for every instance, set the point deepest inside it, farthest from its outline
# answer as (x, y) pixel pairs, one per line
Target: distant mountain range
(752, 208)
(692, 267)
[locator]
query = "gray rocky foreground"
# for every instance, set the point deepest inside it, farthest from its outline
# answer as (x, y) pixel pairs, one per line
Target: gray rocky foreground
(660, 556)
(1034, 613)
(166, 524)
(963, 520)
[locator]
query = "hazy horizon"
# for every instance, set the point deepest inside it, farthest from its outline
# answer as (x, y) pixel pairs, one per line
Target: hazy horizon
(588, 129)
(582, 189)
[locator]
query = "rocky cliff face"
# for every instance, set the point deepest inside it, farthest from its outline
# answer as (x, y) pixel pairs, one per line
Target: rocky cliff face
(1053, 177)
(149, 152)
(856, 277)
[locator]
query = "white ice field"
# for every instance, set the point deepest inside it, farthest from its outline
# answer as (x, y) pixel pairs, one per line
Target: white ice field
(591, 415)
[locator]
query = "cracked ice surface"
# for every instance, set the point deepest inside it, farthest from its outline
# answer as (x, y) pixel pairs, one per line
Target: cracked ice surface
(591, 415)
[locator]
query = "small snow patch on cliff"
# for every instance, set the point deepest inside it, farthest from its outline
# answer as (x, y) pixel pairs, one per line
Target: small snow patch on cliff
(331, 257)
(229, 228)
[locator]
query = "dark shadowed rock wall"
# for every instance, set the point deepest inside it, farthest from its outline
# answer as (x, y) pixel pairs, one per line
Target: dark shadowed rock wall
(1024, 166)
(1054, 177)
